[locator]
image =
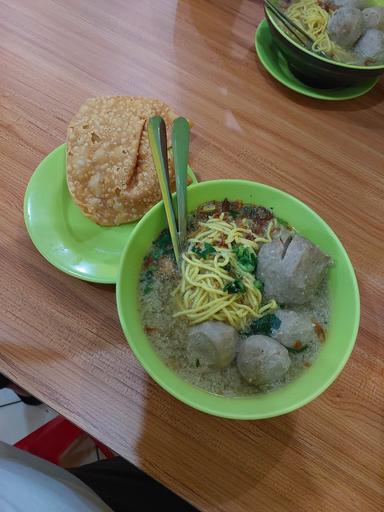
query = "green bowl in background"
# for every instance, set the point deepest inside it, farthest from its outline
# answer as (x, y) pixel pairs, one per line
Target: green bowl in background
(316, 71)
(344, 294)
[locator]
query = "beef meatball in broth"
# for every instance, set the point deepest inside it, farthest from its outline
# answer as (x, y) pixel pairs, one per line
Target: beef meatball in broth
(371, 46)
(374, 17)
(346, 26)
(262, 360)
(291, 270)
(212, 344)
(337, 4)
(295, 331)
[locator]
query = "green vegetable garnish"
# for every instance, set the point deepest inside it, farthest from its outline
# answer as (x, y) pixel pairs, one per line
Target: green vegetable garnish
(259, 285)
(162, 246)
(238, 249)
(197, 363)
(203, 253)
(263, 325)
(246, 258)
(147, 279)
(156, 253)
(164, 239)
(237, 286)
(246, 267)
(147, 289)
(234, 213)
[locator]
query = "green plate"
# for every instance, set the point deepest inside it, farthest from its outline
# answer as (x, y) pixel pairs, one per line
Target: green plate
(275, 63)
(344, 307)
(60, 231)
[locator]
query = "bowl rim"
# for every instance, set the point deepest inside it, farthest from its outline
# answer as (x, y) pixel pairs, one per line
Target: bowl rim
(217, 409)
(271, 17)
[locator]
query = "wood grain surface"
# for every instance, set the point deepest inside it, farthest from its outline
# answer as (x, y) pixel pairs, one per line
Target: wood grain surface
(60, 337)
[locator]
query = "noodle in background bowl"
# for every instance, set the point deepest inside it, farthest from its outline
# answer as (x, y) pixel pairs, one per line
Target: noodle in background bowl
(317, 71)
(344, 305)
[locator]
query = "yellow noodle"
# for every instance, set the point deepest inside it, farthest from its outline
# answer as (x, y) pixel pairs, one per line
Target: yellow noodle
(201, 295)
(313, 19)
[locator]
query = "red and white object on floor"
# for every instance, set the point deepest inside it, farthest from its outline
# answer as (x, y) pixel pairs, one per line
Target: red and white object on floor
(51, 440)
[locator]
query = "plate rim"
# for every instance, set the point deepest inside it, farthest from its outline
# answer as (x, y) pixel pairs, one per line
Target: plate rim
(308, 91)
(45, 254)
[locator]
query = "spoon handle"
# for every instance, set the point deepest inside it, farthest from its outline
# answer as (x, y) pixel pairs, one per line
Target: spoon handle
(157, 135)
(180, 148)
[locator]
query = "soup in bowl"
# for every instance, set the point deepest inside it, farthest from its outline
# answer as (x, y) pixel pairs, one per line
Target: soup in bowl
(350, 32)
(261, 317)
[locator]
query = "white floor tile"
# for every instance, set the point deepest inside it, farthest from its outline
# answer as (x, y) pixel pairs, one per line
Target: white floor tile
(19, 420)
(7, 396)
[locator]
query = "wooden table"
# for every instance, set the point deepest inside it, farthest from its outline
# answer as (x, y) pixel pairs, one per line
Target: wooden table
(60, 337)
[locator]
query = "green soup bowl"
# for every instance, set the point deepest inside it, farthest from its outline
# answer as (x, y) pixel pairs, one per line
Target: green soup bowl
(315, 70)
(344, 305)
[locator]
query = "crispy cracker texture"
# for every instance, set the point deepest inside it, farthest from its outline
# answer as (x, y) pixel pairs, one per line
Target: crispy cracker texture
(110, 172)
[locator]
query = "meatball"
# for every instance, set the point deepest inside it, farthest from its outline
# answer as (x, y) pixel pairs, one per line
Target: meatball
(345, 26)
(295, 330)
(262, 360)
(291, 270)
(374, 17)
(370, 46)
(336, 4)
(212, 344)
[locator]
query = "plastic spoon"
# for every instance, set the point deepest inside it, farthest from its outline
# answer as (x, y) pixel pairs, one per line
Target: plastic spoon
(157, 134)
(180, 148)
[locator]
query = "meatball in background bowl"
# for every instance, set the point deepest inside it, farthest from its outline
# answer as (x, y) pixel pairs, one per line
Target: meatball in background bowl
(317, 71)
(344, 304)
